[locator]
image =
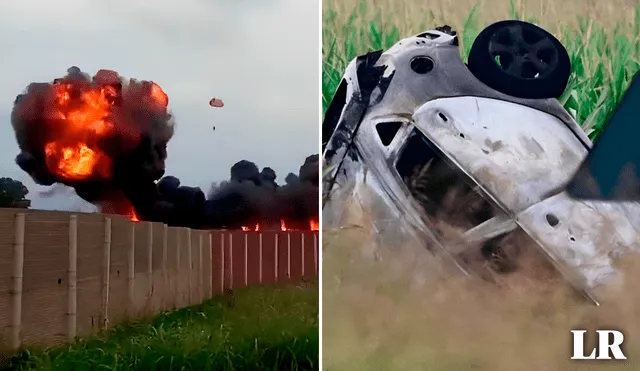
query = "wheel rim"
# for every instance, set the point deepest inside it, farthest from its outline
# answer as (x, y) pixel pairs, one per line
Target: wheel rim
(523, 52)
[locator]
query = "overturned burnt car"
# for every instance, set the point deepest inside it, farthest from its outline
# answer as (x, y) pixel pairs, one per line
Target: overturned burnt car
(485, 149)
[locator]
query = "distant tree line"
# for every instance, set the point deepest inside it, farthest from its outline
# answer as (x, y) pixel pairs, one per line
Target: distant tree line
(13, 194)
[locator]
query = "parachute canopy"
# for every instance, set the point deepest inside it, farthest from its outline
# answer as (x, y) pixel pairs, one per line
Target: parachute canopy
(215, 102)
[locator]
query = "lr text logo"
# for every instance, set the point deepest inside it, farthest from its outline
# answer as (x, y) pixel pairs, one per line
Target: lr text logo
(609, 342)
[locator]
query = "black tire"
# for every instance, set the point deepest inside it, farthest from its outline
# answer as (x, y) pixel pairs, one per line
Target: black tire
(520, 59)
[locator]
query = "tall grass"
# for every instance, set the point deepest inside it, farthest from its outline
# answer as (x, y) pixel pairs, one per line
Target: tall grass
(256, 328)
(601, 37)
(378, 316)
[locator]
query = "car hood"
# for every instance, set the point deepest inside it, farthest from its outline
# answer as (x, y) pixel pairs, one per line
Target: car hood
(518, 155)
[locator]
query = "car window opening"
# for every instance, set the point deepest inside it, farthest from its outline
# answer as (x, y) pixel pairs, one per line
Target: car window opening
(387, 131)
(443, 191)
(452, 205)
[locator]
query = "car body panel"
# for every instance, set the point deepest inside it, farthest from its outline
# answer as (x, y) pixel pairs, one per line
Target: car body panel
(519, 154)
(584, 236)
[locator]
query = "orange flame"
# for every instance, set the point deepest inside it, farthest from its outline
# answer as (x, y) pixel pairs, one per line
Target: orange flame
(313, 225)
(158, 95)
(75, 162)
(82, 114)
(246, 229)
(133, 215)
(72, 154)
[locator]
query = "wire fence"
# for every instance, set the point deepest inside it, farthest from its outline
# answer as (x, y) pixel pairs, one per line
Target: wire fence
(64, 275)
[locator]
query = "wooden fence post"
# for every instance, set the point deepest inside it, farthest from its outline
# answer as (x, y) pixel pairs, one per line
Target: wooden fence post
(302, 253)
(18, 272)
(210, 266)
(72, 303)
(200, 273)
(179, 285)
(106, 265)
(315, 254)
(165, 274)
(189, 265)
(277, 275)
(260, 257)
(222, 263)
(246, 258)
(149, 264)
(131, 269)
(288, 255)
(230, 253)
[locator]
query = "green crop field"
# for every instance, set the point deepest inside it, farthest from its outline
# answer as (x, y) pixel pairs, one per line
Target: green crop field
(258, 328)
(602, 38)
(376, 315)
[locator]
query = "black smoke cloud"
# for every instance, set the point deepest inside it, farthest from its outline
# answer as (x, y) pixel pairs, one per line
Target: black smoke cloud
(135, 147)
(251, 197)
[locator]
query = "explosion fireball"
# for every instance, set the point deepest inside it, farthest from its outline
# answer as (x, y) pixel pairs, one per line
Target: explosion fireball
(106, 136)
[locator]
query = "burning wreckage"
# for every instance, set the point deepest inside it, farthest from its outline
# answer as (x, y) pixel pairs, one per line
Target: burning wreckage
(106, 137)
(432, 145)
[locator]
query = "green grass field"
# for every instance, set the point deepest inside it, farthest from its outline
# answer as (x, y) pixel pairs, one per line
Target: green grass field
(603, 41)
(375, 314)
(258, 328)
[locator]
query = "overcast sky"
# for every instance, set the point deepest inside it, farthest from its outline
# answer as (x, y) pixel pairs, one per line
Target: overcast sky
(260, 56)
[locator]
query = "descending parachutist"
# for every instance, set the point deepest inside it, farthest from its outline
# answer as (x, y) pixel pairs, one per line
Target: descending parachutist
(215, 102)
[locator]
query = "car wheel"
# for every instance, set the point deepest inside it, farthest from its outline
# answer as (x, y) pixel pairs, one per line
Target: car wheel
(520, 59)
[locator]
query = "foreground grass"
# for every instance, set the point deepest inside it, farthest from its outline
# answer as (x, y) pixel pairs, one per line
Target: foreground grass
(259, 328)
(378, 316)
(602, 38)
